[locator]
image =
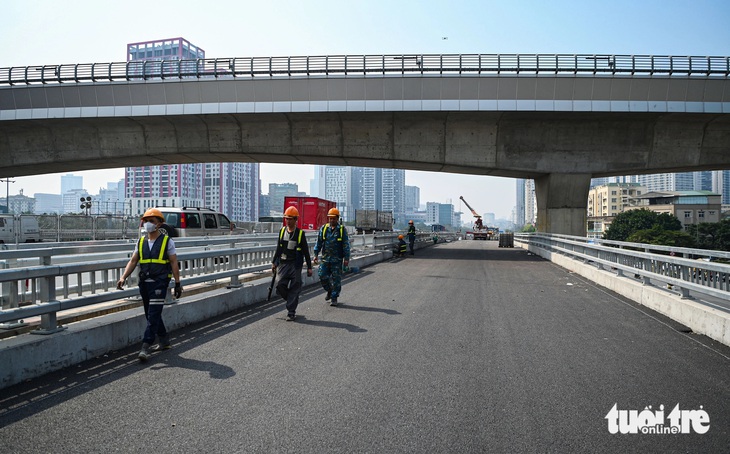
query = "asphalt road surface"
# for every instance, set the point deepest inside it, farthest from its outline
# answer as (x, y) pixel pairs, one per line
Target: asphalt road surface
(464, 347)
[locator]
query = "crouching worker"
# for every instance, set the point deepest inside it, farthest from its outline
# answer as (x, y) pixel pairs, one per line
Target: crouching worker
(401, 247)
(157, 258)
(291, 251)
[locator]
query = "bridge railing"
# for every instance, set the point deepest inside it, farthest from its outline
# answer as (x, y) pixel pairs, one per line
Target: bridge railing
(344, 65)
(692, 272)
(48, 279)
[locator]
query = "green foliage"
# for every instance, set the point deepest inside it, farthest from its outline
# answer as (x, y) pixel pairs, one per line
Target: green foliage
(529, 228)
(657, 235)
(711, 235)
(629, 222)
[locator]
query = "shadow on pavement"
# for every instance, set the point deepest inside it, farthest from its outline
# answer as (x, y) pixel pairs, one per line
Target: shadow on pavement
(36, 395)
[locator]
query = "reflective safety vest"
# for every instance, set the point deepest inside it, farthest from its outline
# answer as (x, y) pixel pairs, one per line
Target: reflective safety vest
(339, 238)
(402, 246)
(154, 262)
(324, 232)
(284, 242)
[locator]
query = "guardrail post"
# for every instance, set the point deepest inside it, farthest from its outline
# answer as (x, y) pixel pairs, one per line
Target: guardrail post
(49, 321)
(10, 299)
(235, 283)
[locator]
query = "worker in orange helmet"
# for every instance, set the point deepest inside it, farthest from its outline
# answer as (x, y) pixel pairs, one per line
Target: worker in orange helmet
(157, 258)
(291, 252)
(334, 244)
(401, 250)
(411, 236)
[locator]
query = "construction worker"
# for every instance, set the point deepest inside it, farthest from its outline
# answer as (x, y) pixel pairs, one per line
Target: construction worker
(411, 235)
(291, 251)
(401, 248)
(157, 258)
(334, 244)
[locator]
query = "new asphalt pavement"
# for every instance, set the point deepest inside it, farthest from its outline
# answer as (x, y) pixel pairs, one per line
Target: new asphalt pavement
(464, 347)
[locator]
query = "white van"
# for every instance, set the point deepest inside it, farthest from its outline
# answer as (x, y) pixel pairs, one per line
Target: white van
(193, 221)
(25, 227)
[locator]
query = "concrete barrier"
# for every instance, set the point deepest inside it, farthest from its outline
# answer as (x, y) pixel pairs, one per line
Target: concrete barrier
(700, 318)
(28, 355)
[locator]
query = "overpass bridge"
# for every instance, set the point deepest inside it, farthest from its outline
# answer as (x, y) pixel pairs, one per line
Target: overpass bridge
(559, 119)
(465, 347)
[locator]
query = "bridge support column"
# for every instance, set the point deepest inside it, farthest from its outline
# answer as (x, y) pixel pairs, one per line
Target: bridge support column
(562, 203)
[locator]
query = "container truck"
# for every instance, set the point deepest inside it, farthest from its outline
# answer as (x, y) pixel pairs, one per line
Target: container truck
(368, 221)
(312, 211)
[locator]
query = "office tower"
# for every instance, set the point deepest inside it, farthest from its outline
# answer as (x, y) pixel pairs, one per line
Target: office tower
(277, 192)
(702, 181)
(48, 203)
(413, 198)
(337, 189)
(519, 212)
(70, 182)
(316, 185)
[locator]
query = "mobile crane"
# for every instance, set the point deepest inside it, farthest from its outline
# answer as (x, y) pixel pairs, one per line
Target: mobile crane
(478, 230)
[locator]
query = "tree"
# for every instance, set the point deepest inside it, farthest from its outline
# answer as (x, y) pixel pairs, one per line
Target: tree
(632, 221)
(657, 235)
(711, 235)
(529, 228)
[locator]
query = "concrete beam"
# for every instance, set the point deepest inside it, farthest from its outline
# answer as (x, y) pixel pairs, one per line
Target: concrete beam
(509, 144)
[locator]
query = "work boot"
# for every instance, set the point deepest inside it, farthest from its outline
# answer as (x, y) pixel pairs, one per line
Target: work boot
(144, 354)
(329, 296)
(163, 344)
(333, 302)
(290, 317)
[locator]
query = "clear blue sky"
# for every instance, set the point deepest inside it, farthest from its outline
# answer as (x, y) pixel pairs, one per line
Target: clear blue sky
(38, 32)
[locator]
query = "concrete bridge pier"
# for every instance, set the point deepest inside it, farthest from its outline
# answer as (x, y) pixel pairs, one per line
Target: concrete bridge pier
(562, 203)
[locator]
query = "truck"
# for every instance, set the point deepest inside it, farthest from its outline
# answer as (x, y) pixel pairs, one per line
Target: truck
(369, 221)
(479, 231)
(19, 229)
(312, 211)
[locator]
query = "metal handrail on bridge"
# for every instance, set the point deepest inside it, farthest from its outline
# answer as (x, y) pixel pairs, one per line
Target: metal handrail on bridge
(347, 65)
(69, 277)
(690, 271)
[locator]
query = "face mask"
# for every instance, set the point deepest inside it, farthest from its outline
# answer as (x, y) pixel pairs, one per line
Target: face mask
(149, 227)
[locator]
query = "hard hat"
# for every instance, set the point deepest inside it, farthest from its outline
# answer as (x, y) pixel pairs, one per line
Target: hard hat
(153, 213)
(333, 212)
(400, 237)
(291, 212)
(410, 222)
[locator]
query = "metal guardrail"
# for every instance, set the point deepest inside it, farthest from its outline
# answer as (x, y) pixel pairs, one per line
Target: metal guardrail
(693, 272)
(72, 276)
(345, 65)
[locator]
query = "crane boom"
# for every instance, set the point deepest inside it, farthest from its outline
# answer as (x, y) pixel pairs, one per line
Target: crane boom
(476, 215)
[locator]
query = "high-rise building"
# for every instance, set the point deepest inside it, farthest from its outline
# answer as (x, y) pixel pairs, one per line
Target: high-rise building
(530, 202)
(683, 181)
(176, 185)
(413, 198)
(519, 213)
(338, 190)
(70, 182)
(232, 188)
(277, 192)
(316, 185)
(48, 203)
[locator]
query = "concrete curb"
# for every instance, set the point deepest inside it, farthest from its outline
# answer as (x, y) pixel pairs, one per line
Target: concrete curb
(29, 355)
(700, 318)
